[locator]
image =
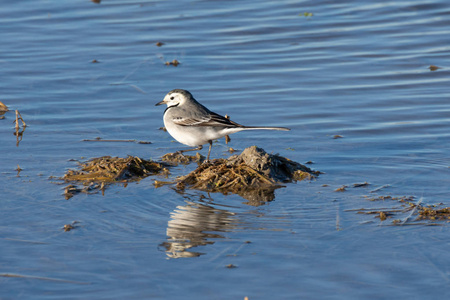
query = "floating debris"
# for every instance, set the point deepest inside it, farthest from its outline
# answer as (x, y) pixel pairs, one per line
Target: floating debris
(231, 150)
(337, 136)
(88, 188)
(68, 227)
(17, 133)
(159, 44)
(172, 63)
(71, 190)
(19, 117)
(383, 198)
(306, 14)
(3, 110)
(355, 185)
(341, 189)
(231, 266)
(254, 175)
(408, 205)
(159, 183)
(94, 61)
(433, 213)
(18, 169)
(434, 68)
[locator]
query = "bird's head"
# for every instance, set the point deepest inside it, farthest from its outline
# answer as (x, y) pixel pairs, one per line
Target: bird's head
(175, 98)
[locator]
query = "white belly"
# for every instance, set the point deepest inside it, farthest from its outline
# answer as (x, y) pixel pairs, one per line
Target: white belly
(195, 136)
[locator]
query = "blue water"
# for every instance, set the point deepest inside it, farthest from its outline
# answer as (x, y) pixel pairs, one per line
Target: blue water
(358, 69)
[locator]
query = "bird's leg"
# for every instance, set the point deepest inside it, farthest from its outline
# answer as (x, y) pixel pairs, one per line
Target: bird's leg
(198, 148)
(209, 151)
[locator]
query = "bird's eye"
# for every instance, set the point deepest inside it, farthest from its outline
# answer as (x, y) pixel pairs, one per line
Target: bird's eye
(171, 98)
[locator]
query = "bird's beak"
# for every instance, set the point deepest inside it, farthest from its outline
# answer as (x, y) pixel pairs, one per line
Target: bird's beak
(159, 103)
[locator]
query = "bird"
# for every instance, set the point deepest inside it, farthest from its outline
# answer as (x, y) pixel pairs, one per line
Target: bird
(192, 124)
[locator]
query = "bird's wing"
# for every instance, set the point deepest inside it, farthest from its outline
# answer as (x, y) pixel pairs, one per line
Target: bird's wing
(192, 121)
(212, 119)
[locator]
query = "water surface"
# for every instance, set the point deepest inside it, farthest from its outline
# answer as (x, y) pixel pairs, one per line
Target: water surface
(357, 69)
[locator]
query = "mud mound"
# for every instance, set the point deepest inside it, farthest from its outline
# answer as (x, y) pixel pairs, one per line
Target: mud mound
(272, 166)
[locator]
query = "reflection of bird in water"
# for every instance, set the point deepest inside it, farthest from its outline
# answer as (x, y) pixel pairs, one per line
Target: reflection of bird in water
(194, 225)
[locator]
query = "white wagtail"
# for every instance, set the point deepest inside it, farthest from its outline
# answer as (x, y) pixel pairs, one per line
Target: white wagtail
(192, 124)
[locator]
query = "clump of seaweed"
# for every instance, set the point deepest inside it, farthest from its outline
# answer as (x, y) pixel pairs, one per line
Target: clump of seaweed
(96, 173)
(254, 175)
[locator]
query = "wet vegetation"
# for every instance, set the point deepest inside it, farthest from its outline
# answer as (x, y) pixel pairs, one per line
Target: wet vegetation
(407, 211)
(254, 175)
(96, 173)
